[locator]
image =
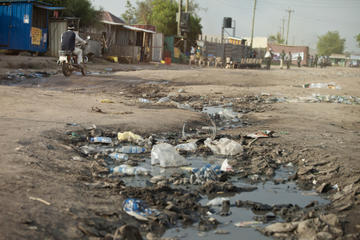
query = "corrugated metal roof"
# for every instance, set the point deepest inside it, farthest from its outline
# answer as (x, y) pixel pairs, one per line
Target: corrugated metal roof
(108, 17)
(138, 29)
(36, 1)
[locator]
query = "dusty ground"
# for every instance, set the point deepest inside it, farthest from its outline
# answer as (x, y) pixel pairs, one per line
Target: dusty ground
(35, 111)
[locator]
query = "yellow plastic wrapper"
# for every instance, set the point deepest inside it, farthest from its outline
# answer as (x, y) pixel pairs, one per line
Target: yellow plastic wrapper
(129, 137)
(106, 101)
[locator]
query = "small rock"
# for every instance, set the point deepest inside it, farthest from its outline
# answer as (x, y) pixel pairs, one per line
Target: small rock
(280, 228)
(220, 231)
(324, 236)
(330, 219)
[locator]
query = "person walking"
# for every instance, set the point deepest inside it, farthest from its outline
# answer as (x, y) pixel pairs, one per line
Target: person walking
(299, 58)
(268, 57)
(316, 60)
(288, 59)
(282, 59)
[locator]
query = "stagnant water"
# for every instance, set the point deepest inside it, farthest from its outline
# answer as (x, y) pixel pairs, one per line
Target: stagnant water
(266, 193)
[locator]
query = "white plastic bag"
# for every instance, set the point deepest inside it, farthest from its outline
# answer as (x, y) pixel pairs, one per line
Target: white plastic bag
(167, 156)
(226, 167)
(224, 146)
(217, 201)
(189, 147)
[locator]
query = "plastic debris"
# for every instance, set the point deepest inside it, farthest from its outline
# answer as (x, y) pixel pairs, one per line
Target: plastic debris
(226, 167)
(217, 201)
(224, 146)
(167, 156)
(322, 85)
(106, 101)
(129, 137)
(119, 156)
(92, 148)
(144, 100)
(164, 100)
(138, 209)
(247, 223)
(101, 140)
(188, 147)
(131, 149)
(129, 170)
(207, 173)
(260, 134)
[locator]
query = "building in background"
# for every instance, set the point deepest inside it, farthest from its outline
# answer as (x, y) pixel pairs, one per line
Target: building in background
(303, 51)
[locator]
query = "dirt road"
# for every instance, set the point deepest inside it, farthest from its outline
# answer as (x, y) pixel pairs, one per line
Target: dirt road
(48, 192)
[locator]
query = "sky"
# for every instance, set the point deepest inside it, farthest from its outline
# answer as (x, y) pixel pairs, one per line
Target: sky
(310, 19)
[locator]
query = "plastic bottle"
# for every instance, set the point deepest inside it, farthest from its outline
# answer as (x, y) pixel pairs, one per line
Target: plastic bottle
(131, 149)
(119, 156)
(101, 140)
(129, 170)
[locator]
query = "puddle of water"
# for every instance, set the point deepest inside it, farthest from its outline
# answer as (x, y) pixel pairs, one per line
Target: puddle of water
(266, 193)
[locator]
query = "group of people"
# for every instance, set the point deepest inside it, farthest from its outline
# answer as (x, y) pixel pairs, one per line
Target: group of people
(285, 58)
(315, 61)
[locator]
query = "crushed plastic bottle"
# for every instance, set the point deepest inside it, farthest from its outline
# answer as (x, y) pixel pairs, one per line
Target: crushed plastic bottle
(129, 170)
(188, 147)
(101, 140)
(119, 156)
(92, 148)
(131, 149)
(204, 174)
(138, 209)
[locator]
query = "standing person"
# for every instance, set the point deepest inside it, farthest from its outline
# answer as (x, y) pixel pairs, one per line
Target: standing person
(282, 59)
(268, 57)
(69, 42)
(299, 58)
(316, 60)
(288, 58)
(311, 61)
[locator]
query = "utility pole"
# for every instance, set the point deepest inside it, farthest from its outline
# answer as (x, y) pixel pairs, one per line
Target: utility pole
(234, 28)
(287, 34)
(179, 19)
(186, 34)
(283, 28)
(252, 24)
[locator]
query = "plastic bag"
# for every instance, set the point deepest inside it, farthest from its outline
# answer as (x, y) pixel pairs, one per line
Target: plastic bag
(188, 147)
(129, 137)
(138, 209)
(224, 146)
(217, 201)
(226, 167)
(167, 156)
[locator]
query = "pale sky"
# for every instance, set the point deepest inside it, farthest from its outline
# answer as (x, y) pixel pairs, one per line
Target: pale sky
(311, 18)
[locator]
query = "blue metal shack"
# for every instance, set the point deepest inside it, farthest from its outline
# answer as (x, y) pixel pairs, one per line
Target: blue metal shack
(24, 25)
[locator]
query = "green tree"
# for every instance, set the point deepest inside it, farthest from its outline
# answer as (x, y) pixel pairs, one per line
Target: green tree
(82, 9)
(129, 15)
(144, 11)
(330, 43)
(163, 16)
(276, 38)
(357, 37)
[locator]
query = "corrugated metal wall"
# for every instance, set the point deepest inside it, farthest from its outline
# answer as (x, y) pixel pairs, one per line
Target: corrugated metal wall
(55, 31)
(158, 47)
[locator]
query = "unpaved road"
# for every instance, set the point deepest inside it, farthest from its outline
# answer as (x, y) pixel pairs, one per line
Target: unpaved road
(34, 112)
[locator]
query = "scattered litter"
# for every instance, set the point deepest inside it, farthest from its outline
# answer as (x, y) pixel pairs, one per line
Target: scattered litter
(119, 156)
(226, 167)
(217, 201)
(108, 69)
(164, 100)
(96, 109)
(247, 223)
(106, 101)
(322, 85)
(101, 140)
(260, 134)
(138, 209)
(181, 90)
(188, 147)
(131, 149)
(144, 100)
(207, 173)
(129, 137)
(129, 170)
(224, 146)
(40, 200)
(20, 75)
(185, 106)
(167, 156)
(92, 148)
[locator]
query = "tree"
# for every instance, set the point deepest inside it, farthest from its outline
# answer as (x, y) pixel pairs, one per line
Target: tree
(276, 38)
(357, 37)
(143, 12)
(330, 43)
(129, 15)
(163, 16)
(82, 9)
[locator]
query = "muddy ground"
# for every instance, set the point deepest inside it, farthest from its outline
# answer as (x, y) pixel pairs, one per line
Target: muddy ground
(50, 190)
